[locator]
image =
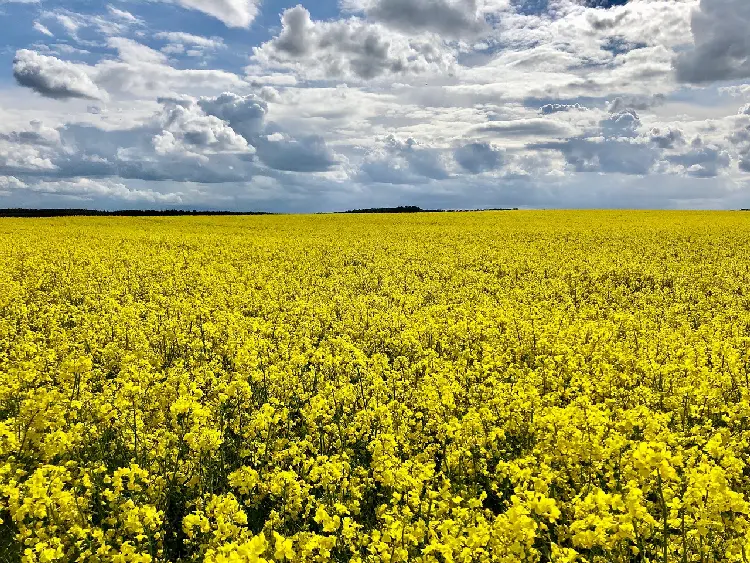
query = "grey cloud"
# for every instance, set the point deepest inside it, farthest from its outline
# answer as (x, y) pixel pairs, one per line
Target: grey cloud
(87, 151)
(188, 140)
(616, 148)
(54, 78)
(741, 141)
(423, 160)
(296, 37)
(458, 18)
(384, 171)
(478, 157)
(181, 144)
(702, 161)
(307, 154)
(722, 43)
(611, 156)
(404, 162)
(604, 4)
(526, 127)
(605, 21)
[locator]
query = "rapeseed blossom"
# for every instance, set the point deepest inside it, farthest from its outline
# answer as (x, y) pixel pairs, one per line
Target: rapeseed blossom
(485, 387)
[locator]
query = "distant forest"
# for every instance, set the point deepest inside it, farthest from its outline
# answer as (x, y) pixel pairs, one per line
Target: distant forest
(415, 209)
(121, 213)
(184, 212)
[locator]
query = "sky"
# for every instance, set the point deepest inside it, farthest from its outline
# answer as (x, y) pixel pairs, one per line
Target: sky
(271, 105)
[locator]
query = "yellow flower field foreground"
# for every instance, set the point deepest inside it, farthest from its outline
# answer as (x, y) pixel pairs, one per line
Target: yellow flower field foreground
(499, 386)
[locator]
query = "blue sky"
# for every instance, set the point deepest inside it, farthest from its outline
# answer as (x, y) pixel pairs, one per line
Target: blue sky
(328, 105)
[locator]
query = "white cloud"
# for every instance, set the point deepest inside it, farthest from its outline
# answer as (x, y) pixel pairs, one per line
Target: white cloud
(245, 114)
(124, 15)
(114, 22)
(233, 13)
(89, 189)
(53, 77)
(351, 48)
(10, 183)
(182, 38)
(187, 130)
(43, 29)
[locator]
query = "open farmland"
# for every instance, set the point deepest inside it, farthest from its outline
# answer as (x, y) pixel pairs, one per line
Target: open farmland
(479, 387)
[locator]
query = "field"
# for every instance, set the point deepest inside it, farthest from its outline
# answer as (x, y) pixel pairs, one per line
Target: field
(480, 387)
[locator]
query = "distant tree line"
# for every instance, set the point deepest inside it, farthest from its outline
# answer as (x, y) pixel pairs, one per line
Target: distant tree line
(415, 209)
(120, 213)
(18, 212)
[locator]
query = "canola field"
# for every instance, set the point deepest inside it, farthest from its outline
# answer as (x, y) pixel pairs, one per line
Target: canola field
(434, 388)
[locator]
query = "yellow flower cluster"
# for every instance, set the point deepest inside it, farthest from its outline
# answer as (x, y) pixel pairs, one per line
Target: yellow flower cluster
(441, 388)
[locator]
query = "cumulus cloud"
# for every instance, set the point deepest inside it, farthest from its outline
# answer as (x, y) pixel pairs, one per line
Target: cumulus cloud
(348, 48)
(548, 109)
(187, 140)
(19, 159)
(449, 18)
(37, 134)
(722, 44)
(244, 114)
(187, 130)
(144, 73)
(621, 124)
(667, 138)
(54, 78)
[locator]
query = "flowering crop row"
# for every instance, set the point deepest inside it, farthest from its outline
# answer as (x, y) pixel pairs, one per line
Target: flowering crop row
(489, 387)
